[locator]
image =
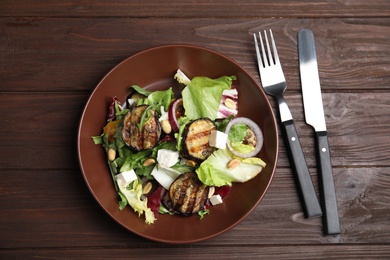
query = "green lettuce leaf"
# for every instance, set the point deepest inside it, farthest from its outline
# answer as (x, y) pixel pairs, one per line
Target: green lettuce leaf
(202, 96)
(238, 132)
(161, 98)
(242, 148)
(133, 197)
(214, 172)
(141, 91)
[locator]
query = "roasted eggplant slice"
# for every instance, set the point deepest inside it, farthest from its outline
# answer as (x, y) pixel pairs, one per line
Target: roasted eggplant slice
(149, 135)
(188, 194)
(196, 136)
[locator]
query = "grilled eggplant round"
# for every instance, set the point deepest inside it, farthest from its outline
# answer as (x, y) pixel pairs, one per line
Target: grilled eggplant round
(188, 194)
(145, 138)
(196, 136)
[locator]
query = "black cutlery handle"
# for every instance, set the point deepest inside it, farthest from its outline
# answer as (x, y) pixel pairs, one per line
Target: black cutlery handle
(327, 189)
(307, 193)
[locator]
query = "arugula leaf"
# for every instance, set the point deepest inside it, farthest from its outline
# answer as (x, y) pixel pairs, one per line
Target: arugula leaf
(204, 212)
(221, 125)
(164, 210)
(144, 118)
(182, 122)
(161, 98)
(123, 201)
(141, 91)
(135, 161)
(97, 139)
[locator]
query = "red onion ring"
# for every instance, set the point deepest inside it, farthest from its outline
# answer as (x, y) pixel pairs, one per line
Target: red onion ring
(256, 130)
(172, 115)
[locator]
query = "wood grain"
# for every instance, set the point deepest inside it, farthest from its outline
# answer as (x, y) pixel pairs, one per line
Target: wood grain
(44, 136)
(53, 54)
(199, 8)
(58, 54)
(77, 221)
(196, 252)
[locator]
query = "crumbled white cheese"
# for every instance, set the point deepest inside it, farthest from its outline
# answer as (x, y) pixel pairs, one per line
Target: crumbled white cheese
(218, 139)
(167, 157)
(125, 178)
(216, 199)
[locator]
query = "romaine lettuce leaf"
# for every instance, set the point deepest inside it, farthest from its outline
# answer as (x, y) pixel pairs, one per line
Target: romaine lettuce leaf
(242, 148)
(202, 96)
(214, 172)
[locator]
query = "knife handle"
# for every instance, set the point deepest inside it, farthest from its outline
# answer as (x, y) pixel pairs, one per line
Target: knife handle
(327, 190)
(307, 193)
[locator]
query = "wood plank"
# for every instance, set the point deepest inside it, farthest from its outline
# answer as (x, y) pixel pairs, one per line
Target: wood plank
(201, 8)
(53, 53)
(62, 55)
(56, 209)
(36, 137)
(350, 251)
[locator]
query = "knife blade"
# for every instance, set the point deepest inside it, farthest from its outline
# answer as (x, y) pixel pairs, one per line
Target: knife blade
(314, 116)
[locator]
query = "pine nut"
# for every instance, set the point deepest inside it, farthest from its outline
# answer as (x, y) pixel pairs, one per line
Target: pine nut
(234, 163)
(211, 191)
(191, 163)
(147, 188)
(111, 154)
(230, 103)
(148, 162)
(166, 126)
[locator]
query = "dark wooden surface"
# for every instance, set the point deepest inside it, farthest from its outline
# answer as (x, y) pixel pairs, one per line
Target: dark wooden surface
(53, 53)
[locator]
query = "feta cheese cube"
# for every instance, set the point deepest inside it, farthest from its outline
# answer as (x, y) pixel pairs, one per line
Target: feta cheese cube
(216, 199)
(218, 139)
(125, 178)
(167, 157)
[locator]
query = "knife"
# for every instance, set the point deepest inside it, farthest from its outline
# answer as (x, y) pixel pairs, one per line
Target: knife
(314, 115)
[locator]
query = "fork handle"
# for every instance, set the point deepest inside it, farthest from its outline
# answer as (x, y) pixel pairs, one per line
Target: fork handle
(307, 193)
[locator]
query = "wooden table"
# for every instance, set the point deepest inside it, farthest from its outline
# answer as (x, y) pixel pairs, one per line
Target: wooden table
(53, 54)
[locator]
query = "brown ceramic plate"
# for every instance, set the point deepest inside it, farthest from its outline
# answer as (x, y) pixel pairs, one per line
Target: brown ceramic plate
(153, 69)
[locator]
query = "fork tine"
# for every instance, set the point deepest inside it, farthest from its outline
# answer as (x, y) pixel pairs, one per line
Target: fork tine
(265, 59)
(270, 58)
(259, 60)
(276, 56)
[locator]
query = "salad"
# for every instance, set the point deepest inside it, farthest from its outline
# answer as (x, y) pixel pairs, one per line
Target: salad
(181, 155)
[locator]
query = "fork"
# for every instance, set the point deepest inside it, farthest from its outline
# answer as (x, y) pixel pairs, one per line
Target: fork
(274, 84)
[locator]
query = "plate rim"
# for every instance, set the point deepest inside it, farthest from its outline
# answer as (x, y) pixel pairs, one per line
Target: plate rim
(190, 46)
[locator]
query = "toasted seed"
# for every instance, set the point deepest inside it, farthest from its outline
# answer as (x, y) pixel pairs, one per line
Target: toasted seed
(230, 103)
(166, 126)
(149, 161)
(234, 163)
(211, 191)
(111, 154)
(191, 163)
(147, 188)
